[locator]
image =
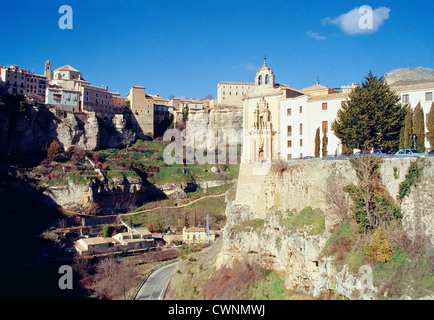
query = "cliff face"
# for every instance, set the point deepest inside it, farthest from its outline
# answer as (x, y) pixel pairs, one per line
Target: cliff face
(121, 195)
(38, 127)
(223, 118)
(257, 228)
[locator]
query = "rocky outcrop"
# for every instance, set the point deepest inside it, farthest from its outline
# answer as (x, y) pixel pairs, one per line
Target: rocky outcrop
(32, 131)
(121, 194)
(408, 76)
(225, 119)
(73, 131)
(298, 254)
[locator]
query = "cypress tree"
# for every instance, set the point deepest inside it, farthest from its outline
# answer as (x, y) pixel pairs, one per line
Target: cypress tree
(408, 129)
(317, 143)
(430, 126)
(324, 144)
(419, 127)
(372, 116)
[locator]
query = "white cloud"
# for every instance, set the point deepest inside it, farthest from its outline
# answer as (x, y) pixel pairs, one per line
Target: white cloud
(315, 35)
(360, 20)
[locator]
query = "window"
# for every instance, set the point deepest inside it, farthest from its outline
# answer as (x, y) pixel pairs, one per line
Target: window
(288, 112)
(288, 156)
(300, 109)
(289, 131)
(301, 142)
(428, 96)
(260, 80)
(301, 128)
(324, 126)
(301, 155)
(289, 143)
(324, 106)
(405, 98)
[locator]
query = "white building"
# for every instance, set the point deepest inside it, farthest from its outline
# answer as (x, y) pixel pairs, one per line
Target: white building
(318, 107)
(302, 116)
(417, 93)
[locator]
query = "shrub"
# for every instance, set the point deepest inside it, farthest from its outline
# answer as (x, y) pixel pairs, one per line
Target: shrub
(54, 151)
(279, 166)
(411, 178)
(379, 249)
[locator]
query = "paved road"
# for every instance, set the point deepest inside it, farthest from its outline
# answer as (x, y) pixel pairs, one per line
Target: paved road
(155, 286)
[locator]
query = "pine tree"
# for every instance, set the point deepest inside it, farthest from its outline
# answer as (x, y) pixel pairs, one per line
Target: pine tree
(317, 143)
(372, 116)
(408, 129)
(419, 127)
(430, 126)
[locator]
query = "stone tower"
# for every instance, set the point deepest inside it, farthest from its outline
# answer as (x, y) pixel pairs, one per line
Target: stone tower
(47, 72)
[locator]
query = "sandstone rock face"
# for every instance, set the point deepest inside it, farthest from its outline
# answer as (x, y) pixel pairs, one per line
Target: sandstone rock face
(227, 120)
(418, 208)
(72, 131)
(122, 194)
(297, 254)
(38, 127)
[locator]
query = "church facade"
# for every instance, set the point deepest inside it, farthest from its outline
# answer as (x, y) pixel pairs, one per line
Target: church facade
(261, 117)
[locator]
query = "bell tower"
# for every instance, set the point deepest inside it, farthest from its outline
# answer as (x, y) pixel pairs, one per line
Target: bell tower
(265, 76)
(47, 71)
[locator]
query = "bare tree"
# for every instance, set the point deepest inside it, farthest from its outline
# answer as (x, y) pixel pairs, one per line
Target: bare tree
(114, 278)
(337, 200)
(127, 137)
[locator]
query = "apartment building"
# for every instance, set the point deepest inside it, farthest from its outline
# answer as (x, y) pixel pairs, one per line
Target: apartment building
(15, 80)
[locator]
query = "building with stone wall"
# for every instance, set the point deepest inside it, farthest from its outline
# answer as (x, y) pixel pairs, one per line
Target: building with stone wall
(232, 93)
(15, 80)
(261, 117)
(92, 98)
(142, 109)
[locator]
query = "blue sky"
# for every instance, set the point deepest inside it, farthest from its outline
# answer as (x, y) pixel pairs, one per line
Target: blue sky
(184, 48)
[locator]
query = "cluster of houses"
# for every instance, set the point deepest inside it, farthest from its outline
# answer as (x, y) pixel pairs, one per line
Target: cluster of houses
(140, 239)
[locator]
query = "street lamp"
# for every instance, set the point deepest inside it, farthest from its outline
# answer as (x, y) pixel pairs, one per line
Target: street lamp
(414, 140)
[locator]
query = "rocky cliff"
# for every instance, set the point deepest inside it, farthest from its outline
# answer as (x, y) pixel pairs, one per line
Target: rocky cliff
(220, 118)
(32, 130)
(121, 194)
(257, 229)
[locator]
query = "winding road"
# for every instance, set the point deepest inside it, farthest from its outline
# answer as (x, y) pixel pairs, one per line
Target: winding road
(155, 286)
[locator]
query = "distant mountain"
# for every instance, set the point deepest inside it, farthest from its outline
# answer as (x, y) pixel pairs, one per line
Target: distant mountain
(408, 76)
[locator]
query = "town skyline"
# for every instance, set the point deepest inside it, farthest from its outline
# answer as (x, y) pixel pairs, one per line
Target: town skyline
(185, 49)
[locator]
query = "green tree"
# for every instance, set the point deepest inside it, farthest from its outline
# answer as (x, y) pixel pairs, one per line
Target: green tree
(408, 128)
(371, 117)
(419, 127)
(317, 143)
(430, 126)
(324, 144)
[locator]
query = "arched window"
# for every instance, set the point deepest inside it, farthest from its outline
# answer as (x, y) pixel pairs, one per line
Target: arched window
(266, 79)
(260, 80)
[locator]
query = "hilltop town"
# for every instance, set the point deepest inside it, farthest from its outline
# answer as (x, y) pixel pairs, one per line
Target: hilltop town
(98, 161)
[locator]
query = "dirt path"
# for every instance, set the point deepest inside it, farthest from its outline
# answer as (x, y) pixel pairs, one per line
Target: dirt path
(173, 207)
(148, 210)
